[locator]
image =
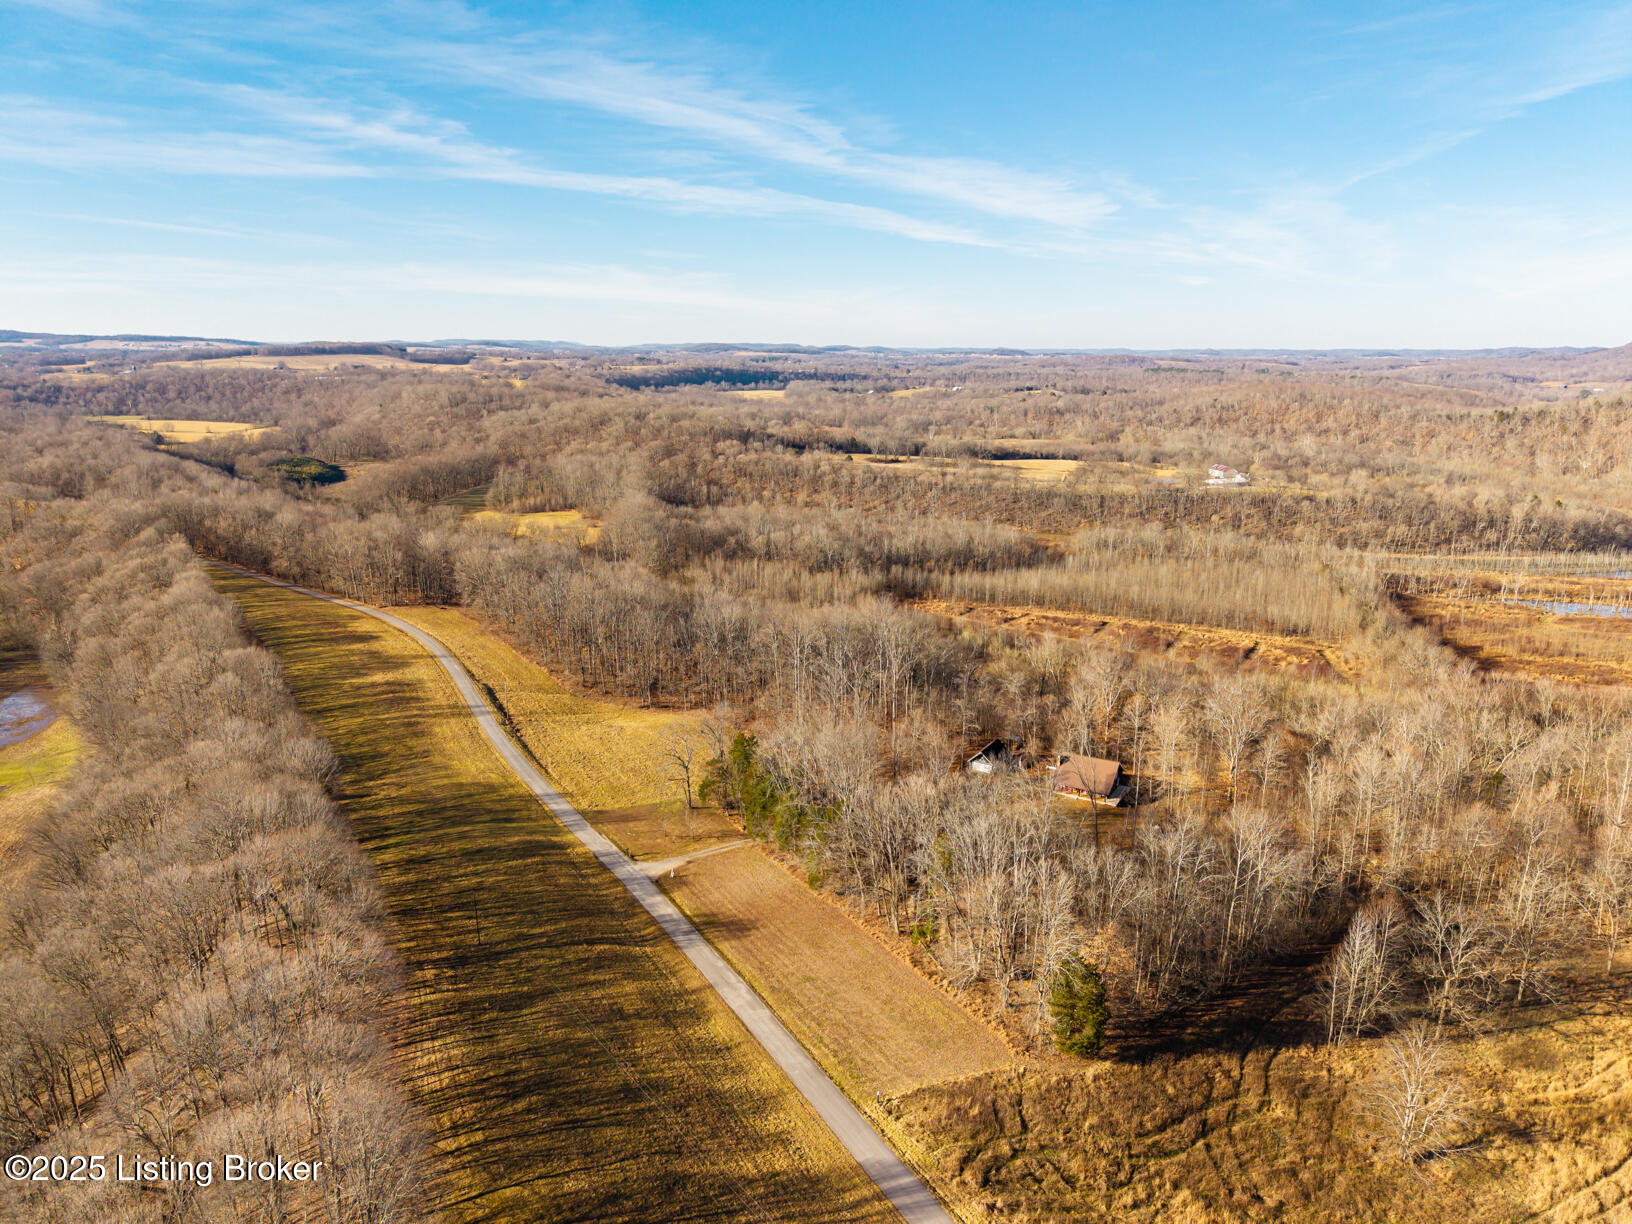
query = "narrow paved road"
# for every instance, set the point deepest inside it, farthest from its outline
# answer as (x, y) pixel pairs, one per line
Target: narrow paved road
(899, 1183)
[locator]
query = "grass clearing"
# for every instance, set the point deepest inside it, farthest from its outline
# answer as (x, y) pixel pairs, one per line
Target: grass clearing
(871, 1020)
(41, 760)
(573, 1064)
(1281, 1133)
(874, 1022)
(539, 522)
(761, 393)
(468, 502)
(1526, 641)
(1048, 471)
(598, 753)
(184, 430)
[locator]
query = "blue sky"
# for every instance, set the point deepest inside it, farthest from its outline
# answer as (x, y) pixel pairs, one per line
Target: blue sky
(1038, 175)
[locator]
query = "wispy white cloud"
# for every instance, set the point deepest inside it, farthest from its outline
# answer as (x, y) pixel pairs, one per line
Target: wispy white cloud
(1497, 77)
(1595, 50)
(554, 112)
(168, 227)
(695, 104)
(335, 142)
(38, 133)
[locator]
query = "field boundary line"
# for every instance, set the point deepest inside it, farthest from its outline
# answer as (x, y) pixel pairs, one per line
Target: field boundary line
(914, 1200)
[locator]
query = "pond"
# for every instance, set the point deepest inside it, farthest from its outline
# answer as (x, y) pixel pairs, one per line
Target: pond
(21, 715)
(1564, 607)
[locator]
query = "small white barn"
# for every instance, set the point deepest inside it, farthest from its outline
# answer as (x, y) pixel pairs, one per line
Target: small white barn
(994, 756)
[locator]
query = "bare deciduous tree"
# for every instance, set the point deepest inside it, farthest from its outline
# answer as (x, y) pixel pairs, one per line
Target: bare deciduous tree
(1417, 1100)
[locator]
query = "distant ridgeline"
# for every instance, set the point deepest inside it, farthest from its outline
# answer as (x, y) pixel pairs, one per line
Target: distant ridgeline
(436, 356)
(729, 376)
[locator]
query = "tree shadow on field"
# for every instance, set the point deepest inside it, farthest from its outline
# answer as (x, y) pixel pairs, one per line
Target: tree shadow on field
(574, 1068)
(1257, 1010)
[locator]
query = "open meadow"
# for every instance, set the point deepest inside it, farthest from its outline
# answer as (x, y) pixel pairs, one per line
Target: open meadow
(572, 1064)
(184, 431)
(875, 1023)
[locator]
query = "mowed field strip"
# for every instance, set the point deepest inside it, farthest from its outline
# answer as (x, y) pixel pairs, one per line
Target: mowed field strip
(598, 754)
(573, 1063)
(184, 429)
(876, 1024)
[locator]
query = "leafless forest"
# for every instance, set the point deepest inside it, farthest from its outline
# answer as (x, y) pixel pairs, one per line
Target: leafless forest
(1406, 840)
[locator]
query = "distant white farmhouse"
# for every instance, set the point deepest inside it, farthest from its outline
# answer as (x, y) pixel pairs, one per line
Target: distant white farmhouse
(1219, 474)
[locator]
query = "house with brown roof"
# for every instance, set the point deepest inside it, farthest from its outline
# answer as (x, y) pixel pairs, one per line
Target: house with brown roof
(1093, 779)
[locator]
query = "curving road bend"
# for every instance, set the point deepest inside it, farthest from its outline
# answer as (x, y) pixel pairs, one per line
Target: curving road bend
(898, 1182)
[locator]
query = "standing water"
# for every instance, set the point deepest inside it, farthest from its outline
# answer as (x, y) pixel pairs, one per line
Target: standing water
(21, 715)
(1564, 607)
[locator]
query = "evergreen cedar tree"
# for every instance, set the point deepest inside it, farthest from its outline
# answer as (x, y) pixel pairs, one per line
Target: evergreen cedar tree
(769, 808)
(303, 469)
(1077, 1000)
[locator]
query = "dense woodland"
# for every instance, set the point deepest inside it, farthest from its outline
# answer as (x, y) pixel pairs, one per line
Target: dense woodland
(1435, 842)
(195, 961)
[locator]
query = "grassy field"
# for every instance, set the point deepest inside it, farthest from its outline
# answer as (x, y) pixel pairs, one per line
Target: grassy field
(1124, 476)
(1048, 471)
(574, 1066)
(1280, 1133)
(1528, 642)
(599, 754)
(468, 502)
(874, 1022)
(539, 522)
(1569, 627)
(183, 430)
(472, 507)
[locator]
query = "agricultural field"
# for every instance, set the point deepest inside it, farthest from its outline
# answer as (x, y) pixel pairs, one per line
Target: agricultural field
(183, 431)
(570, 1060)
(875, 1024)
(1046, 471)
(1106, 475)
